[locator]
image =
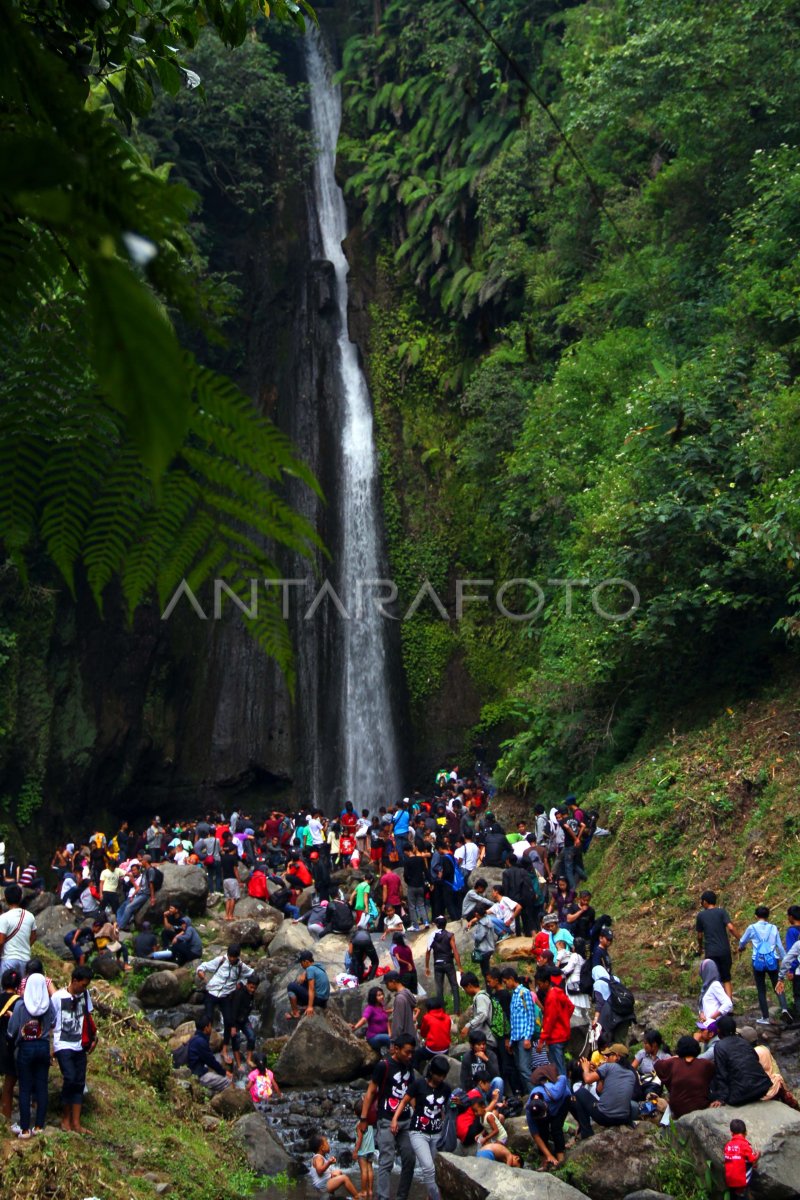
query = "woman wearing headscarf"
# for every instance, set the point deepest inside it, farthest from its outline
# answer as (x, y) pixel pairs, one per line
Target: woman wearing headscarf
(29, 1028)
(714, 1000)
(778, 1089)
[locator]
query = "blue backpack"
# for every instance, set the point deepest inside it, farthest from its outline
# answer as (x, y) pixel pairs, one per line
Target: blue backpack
(764, 957)
(457, 882)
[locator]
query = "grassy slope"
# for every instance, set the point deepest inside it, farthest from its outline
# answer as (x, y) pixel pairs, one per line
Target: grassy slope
(141, 1122)
(717, 806)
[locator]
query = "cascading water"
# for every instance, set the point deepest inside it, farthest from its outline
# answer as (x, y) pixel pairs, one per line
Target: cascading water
(368, 758)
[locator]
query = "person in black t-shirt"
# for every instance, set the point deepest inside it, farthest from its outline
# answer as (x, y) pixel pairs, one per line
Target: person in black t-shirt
(428, 1099)
(390, 1081)
(713, 926)
(581, 916)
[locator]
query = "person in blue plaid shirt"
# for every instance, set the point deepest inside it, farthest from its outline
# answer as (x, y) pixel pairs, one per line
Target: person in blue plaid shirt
(526, 1021)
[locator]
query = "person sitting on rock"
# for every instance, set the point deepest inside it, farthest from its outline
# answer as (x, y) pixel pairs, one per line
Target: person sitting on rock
(615, 1087)
(644, 1061)
(375, 1019)
(474, 899)
(739, 1077)
(186, 945)
(203, 1063)
(311, 989)
(478, 1060)
(686, 1076)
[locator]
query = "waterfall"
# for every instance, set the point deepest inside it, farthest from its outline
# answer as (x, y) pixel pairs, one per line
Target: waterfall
(367, 758)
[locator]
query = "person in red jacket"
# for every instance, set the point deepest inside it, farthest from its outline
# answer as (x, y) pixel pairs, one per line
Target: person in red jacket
(740, 1158)
(434, 1029)
(557, 1008)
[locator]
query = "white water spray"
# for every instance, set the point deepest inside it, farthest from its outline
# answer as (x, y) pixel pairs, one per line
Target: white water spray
(368, 773)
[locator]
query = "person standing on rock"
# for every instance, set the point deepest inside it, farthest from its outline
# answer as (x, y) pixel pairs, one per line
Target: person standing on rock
(403, 1006)
(445, 961)
(713, 926)
(310, 990)
(229, 861)
(227, 973)
(390, 1083)
(524, 1027)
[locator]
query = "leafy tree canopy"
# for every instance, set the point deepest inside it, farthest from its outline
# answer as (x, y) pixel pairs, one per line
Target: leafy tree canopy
(117, 449)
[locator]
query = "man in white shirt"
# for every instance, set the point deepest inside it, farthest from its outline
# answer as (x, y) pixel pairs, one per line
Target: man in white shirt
(17, 932)
(503, 911)
(466, 855)
(72, 1004)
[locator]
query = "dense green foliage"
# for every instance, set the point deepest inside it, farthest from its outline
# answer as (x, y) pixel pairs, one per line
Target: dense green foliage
(121, 455)
(620, 396)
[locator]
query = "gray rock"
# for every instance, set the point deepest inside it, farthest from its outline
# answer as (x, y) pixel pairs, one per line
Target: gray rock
(186, 887)
(293, 938)
(263, 1151)
(163, 989)
(39, 902)
(619, 1160)
(772, 1128)
(246, 932)
(322, 1049)
(648, 1194)
(232, 1103)
(480, 1179)
(257, 910)
(107, 966)
(52, 925)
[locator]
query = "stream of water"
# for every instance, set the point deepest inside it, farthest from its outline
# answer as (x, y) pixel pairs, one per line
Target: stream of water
(368, 757)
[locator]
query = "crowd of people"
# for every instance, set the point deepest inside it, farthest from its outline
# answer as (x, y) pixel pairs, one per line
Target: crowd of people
(407, 871)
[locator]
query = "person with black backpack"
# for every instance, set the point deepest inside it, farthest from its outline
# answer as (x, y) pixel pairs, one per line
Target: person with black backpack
(445, 961)
(614, 1004)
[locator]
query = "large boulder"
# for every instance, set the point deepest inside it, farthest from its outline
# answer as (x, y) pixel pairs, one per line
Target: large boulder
(165, 989)
(512, 949)
(186, 887)
(231, 1103)
(620, 1160)
(772, 1128)
(292, 937)
(106, 966)
(52, 925)
(257, 910)
(37, 902)
(263, 1151)
(322, 1049)
(481, 1179)
(246, 932)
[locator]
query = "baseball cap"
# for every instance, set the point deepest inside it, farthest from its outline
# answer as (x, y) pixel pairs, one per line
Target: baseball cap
(707, 1026)
(617, 1048)
(475, 1094)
